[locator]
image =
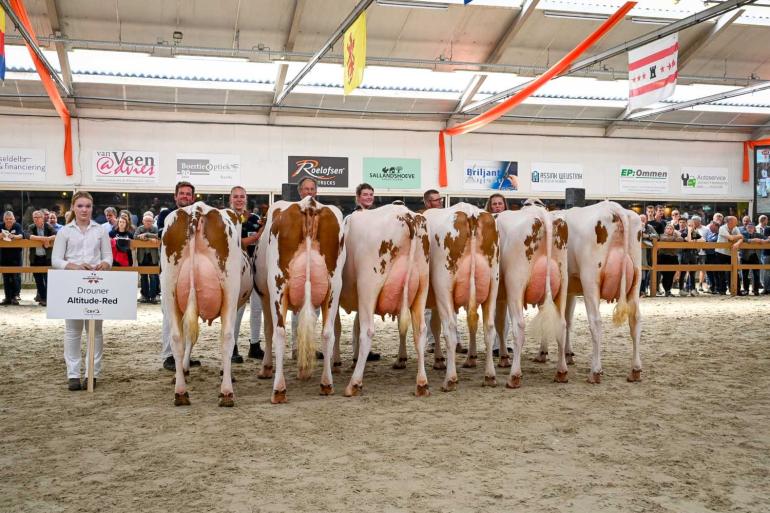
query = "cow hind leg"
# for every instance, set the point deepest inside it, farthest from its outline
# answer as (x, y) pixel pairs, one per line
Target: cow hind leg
(366, 332)
(181, 396)
(517, 327)
(401, 359)
(266, 372)
(337, 336)
(279, 341)
(569, 313)
(327, 386)
(439, 362)
(490, 334)
(420, 334)
(591, 299)
(449, 328)
(472, 358)
(635, 325)
(227, 341)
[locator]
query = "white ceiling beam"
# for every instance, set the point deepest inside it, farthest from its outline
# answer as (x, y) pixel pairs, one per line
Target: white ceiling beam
(761, 132)
(724, 21)
(280, 78)
(497, 52)
(61, 52)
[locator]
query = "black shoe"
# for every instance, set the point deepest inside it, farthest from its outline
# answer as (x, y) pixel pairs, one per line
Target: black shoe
(236, 358)
(256, 352)
(144, 300)
(461, 350)
(169, 364)
(6, 301)
(743, 292)
(74, 384)
(373, 357)
(14, 301)
(85, 384)
(195, 363)
(319, 355)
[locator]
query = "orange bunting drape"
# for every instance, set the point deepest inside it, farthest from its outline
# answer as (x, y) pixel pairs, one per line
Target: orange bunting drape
(49, 85)
(747, 147)
(503, 107)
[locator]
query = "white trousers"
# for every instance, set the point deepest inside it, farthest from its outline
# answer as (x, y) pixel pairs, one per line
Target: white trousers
(255, 317)
(429, 338)
(165, 341)
(507, 326)
(73, 331)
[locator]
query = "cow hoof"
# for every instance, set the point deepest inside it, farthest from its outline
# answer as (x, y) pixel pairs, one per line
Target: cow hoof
(354, 390)
(513, 382)
(570, 358)
(278, 397)
(489, 381)
(226, 400)
(439, 363)
(186, 372)
(399, 364)
(561, 377)
(595, 378)
(182, 399)
(337, 367)
(327, 389)
(449, 386)
(304, 375)
(634, 376)
(422, 391)
(505, 362)
(470, 362)
(541, 358)
(266, 372)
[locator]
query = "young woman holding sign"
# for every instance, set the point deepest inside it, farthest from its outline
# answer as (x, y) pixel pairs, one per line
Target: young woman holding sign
(82, 244)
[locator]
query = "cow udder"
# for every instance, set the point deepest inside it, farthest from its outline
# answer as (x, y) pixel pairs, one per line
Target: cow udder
(208, 292)
(389, 300)
(535, 293)
(463, 280)
(319, 278)
(611, 274)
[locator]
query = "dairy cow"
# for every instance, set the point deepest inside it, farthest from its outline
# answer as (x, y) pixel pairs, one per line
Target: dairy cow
(205, 275)
(386, 273)
(298, 265)
(464, 272)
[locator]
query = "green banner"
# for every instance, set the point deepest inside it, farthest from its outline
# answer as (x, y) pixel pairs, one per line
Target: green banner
(392, 173)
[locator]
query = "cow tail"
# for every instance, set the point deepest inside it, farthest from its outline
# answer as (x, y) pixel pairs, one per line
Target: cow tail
(404, 316)
(546, 324)
(622, 310)
(190, 316)
(473, 314)
(307, 319)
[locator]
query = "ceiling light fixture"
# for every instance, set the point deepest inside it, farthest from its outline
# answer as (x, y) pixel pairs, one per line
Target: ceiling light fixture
(651, 21)
(413, 4)
(575, 15)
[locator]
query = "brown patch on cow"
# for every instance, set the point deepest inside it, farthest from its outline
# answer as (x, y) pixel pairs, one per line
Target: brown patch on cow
(532, 240)
(426, 246)
(232, 215)
(287, 227)
(214, 230)
(280, 279)
(328, 238)
(342, 241)
(438, 242)
(409, 221)
(278, 316)
(600, 265)
(639, 236)
(601, 232)
(560, 233)
(455, 246)
(489, 237)
(175, 236)
(387, 247)
(615, 218)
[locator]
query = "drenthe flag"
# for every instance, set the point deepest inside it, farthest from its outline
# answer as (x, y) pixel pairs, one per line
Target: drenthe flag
(354, 52)
(2, 44)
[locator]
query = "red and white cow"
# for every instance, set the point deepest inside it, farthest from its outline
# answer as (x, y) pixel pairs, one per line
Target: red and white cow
(464, 272)
(386, 273)
(299, 264)
(605, 263)
(205, 274)
(533, 271)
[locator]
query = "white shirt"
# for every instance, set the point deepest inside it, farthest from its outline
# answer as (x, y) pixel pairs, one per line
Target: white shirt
(702, 230)
(723, 233)
(74, 246)
(108, 227)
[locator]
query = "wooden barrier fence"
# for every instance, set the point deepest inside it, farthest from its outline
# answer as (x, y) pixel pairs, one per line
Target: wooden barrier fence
(733, 267)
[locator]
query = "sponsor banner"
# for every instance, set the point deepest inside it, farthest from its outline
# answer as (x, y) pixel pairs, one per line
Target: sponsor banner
(22, 165)
(491, 174)
(327, 171)
(644, 179)
(555, 177)
(126, 166)
(208, 168)
(98, 295)
(392, 173)
(705, 180)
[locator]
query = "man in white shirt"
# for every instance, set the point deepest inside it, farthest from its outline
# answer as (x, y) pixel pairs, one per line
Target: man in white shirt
(728, 232)
(112, 219)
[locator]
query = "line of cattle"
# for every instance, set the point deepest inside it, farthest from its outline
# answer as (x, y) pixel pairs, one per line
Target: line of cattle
(392, 261)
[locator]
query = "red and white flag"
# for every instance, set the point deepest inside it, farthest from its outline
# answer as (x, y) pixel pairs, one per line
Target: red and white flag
(652, 72)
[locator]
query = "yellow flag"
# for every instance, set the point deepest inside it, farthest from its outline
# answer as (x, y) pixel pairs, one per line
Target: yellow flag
(354, 52)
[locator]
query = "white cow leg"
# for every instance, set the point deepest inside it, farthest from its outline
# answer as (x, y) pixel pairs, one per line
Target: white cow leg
(181, 397)
(472, 357)
(439, 362)
(227, 342)
(279, 382)
(327, 383)
(490, 335)
(591, 298)
(562, 374)
(366, 332)
(267, 361)
(501, 328)
(517, 327)
(354, 341)
(635, 325)
(570, 312)
(400, 362)
(337, 335)
(420, 334)
(449, 328)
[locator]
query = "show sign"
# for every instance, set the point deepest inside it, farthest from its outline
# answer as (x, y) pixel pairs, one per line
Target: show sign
(644, 180)
(208, 168)
(97, 295)
(705, 180)
(126, 167)
(392, 173)
(491, 174)
(22, 165)
(556, 177)
(327, 171)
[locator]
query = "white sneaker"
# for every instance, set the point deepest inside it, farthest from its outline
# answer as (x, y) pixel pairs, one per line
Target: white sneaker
(682, 293)
(694, 292)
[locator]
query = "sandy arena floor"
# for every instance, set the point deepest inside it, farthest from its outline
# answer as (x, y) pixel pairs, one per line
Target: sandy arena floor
(694, 436)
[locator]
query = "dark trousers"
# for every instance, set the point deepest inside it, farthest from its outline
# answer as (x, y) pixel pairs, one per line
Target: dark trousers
(668, 276)
(750, 259)
(687, 258)
(11, 285)
(150, 283)
(41, 279)
(723, 277)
